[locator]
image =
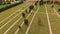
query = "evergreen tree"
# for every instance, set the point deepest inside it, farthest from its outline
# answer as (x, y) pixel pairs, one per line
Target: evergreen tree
(23, 15)
(30, 8)
(26, 22)
(19, 27)
(59, 9)
(52, 6)
(36, 3)
(41, 2)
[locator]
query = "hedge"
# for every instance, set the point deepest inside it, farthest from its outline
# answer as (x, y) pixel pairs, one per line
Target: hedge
(10, 6)
(59, 10)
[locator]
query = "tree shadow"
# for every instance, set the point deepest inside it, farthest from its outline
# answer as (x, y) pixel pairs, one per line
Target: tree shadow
(26, 22)
(39, 22)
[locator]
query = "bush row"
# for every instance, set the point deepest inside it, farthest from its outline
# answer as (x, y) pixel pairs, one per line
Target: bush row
(59, 10)
(7, 7)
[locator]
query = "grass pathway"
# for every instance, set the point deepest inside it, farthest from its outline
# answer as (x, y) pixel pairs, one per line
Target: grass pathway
(50, 29)
(31, 22)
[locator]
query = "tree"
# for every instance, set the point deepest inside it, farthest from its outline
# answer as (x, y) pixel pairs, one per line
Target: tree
(26, 22)
(48, 1)
(52, 6)
(36, 3)
(41, 2)
(19, 27)
(23, 15)
(59, 10)
(26, 11)
(30, 8)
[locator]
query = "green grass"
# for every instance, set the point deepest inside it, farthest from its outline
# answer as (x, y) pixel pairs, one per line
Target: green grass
(54, 20)
(36, 27)
(24, 27)
(9, 24)
(8, 18)
(8, 12)
(42, 26)
(57, 7)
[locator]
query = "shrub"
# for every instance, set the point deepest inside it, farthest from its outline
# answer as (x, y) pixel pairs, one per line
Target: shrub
(41, 2)
(26, 22)
(30, 8)
(52, 6)
(59, 9)
(10, 6)
(23, 15)
(26, 11)
(36, 3)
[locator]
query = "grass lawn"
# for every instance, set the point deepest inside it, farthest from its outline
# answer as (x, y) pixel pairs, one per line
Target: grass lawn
(40, 22)
(57, 6)
(11, 17)
(54, 20)
(41, 26)
(24, 27)
(8, 12)
(13, 21)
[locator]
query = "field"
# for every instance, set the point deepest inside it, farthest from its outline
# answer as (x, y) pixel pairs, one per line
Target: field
(42, 20)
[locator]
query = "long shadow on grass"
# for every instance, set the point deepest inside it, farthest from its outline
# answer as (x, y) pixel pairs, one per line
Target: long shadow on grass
(39, 21)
